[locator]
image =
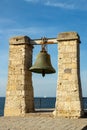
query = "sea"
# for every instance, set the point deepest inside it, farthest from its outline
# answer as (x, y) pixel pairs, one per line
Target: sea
(41, 103)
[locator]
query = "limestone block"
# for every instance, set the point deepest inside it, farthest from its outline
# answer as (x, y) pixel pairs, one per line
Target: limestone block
(66, 36)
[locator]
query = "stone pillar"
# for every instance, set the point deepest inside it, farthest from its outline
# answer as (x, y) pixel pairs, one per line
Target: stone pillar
(69, 93)
(19, 95)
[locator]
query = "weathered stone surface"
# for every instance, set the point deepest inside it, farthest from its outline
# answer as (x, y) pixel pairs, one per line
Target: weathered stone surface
(19, 95)
(68, 36)
(69, 95)
(19, 40)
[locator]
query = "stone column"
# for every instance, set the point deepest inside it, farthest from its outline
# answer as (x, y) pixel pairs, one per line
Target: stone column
(69, 93)
(19, 95)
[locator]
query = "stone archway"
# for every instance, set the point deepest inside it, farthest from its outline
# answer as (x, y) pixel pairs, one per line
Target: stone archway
(19, 95)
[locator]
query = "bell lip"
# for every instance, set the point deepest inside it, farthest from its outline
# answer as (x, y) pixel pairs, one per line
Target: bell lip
(39, 71)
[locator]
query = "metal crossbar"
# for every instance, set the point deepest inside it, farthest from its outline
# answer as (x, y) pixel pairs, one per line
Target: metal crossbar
(43, 40)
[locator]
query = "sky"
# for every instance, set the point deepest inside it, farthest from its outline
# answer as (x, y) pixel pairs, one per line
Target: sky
(36, 19)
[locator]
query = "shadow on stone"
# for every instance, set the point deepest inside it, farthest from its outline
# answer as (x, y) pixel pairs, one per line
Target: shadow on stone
(85, 128)
(85, 115)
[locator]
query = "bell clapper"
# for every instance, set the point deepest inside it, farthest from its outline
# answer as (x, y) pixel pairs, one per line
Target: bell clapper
(43, 73)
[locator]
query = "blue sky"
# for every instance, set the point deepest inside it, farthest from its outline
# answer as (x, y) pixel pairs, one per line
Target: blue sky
(38, 18)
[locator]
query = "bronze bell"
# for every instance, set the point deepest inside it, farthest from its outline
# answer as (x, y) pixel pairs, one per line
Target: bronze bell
(43, 64)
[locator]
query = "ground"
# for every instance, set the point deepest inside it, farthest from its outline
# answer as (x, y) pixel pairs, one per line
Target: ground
(42, 121)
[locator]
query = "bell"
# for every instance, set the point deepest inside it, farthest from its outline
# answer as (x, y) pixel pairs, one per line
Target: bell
(43, 64)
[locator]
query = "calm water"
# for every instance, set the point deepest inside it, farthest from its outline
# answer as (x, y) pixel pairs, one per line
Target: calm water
(48, 102)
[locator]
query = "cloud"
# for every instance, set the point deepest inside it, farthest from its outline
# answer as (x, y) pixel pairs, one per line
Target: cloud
(2, 88)
(44, 86)
(60, 5)
(22, 30)
(6, 20)
(11, 32)
(84, 82)
(69, 4)
(3, 72)
(30, 31)
(33, 1)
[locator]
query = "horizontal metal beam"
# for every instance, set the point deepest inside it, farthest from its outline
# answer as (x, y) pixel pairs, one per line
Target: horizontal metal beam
(43, 41)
